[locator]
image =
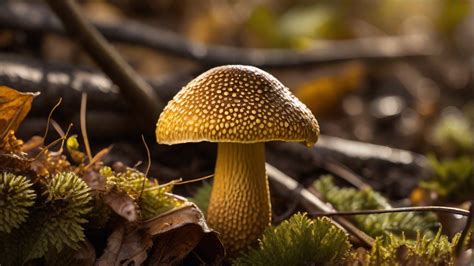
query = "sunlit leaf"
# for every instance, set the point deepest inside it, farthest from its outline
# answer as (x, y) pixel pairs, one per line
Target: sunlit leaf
(14, 106)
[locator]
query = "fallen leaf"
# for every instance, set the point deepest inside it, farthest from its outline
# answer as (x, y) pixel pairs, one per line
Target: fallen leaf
(172, 247)
(181, 232)
(94, 180)
(122, 204)
(33, 143)
(127, 245)
(14, 107)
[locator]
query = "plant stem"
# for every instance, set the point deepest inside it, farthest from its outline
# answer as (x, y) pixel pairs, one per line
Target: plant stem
(403, 209)
(142, 97)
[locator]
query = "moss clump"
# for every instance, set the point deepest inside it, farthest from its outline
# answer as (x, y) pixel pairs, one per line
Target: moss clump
(350, 199)
(152, 198)
(452, 180)
(425, 250)
(16, 196)
(299, 241)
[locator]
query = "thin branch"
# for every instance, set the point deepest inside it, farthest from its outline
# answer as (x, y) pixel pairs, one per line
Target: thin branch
(402, 209)
(141, 95)
(343, 172)
(35, 18)
(398, 167)
(287, 186)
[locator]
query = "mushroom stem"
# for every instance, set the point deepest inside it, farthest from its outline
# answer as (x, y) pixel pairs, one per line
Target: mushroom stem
(239, 208)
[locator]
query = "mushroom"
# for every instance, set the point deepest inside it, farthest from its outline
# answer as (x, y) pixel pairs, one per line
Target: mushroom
(240, 108)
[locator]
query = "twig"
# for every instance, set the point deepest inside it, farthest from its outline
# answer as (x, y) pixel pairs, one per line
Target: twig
(343, 172)
(288, 186)
(402, 209)
(56, 80)
(141, 95)
(83, 112)
(34, 18)
(367, 151)
(400, 168)
(465, 231)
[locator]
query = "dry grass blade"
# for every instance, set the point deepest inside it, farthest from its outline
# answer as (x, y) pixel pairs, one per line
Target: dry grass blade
(49, 118)
(147, 168)
(84, 126)
(98, 157)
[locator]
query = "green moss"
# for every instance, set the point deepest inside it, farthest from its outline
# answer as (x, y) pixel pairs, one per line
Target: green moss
(16, 196)
(453, 179)
(299, 241)
(425, 250)
(55, 223)
(152, 198)
(350, 199)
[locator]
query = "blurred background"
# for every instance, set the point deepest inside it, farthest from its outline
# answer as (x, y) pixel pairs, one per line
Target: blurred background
(398, 73)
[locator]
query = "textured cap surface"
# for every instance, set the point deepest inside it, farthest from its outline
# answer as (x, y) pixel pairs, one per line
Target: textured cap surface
(234, 103)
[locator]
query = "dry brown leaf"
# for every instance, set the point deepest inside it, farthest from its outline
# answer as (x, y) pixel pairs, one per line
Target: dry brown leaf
(94, 180)
(33, 143)
(98, 157)
(127, 245)
(181, 232)
(122, 204)
(14, 106)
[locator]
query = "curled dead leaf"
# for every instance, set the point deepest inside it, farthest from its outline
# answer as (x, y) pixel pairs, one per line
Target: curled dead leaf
(179, 236)
(122, 204)
(94, 180)
(127, 245)
(15, 106)
(183, 235)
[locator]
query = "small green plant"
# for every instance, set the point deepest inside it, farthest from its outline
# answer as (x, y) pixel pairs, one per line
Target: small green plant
(350, 199)
(152, 198)
(453, 179)
(425, 250)
(66, 202)
(16, 196)
(56, 222)
(299, 241)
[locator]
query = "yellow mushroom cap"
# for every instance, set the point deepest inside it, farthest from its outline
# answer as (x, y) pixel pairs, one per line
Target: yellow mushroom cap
(235, 103)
